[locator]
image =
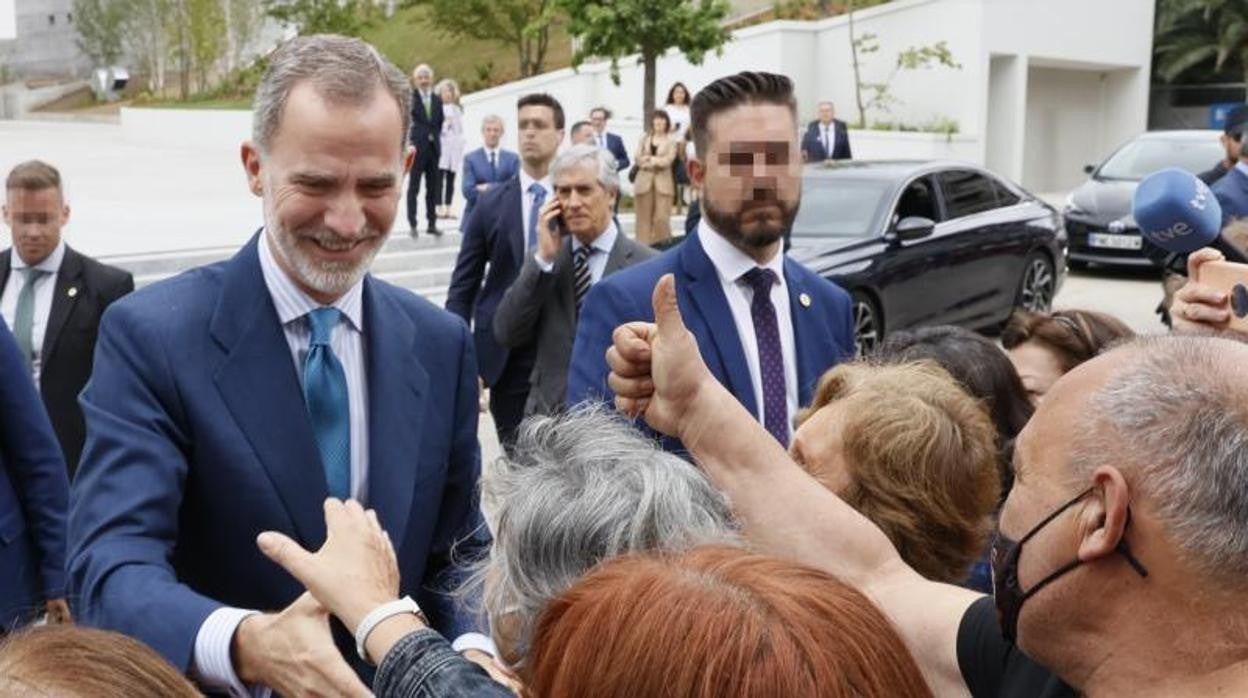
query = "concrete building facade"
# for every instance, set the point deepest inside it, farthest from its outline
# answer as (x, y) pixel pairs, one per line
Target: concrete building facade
(41, 40)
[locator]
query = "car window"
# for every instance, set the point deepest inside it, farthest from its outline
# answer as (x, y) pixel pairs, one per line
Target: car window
(1005, 197)
(967, 193)
(919, 199)
(840, 207)
(1144, 156)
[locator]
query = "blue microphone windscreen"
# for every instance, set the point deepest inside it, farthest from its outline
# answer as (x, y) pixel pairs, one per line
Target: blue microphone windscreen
(1176, 211)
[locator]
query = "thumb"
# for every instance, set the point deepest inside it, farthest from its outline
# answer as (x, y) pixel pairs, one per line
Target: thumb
(279, 548)
(666, 309)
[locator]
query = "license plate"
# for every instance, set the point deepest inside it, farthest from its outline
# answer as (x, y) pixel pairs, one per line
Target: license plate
(1115, 242)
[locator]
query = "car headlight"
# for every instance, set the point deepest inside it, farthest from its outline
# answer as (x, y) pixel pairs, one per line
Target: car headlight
(1072, 207)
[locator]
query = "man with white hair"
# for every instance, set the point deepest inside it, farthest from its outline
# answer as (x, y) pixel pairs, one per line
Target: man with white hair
(426, 138)
(488, 165)
(237, 397)
(578, 243)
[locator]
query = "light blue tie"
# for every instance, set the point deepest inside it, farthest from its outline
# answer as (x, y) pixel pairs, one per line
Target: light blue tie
(325, 390)
(539, 198)
(24, 318)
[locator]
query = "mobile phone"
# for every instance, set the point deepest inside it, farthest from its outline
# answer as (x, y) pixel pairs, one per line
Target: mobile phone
(1230, 278)
(557, 225)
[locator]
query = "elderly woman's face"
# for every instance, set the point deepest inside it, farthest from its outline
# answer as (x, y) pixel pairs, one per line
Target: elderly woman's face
(1038, 367)
(818, 448)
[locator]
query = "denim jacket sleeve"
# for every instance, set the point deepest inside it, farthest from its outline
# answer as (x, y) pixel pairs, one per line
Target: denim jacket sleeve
(423, 665)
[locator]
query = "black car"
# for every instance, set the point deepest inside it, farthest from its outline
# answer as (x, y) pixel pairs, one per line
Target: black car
(928, 243)
(1098, 213)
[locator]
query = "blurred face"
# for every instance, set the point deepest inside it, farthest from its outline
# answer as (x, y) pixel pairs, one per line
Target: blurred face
(539, 139)
(35, 218)
(1233, 146)
(658, 125)
(751, 176)
(818, 448)
(492, 134)
(679, 95)
(1038, 366)
(598, 119)
(826, 113)
(330, 182)
(447, 94)
(585, 202)
(423, 80)
(583, 135)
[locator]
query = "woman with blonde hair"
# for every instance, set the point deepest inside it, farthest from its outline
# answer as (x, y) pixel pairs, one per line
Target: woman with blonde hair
(654, 189)
(452, 158)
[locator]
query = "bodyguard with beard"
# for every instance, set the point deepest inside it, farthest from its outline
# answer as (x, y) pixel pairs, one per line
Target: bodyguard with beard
(766, 326)
(236, 398)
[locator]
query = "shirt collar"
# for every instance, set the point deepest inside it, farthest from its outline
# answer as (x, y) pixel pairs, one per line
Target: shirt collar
(1242, 167)
(604, 242)
(292, 303)
(51, 264)
(526, 181)
(730, 262)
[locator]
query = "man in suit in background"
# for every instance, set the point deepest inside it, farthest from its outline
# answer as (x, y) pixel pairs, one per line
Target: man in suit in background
(827, 138)
(53, 297)
(488, 165)
(583, 132)
(767, 327)
(1232, 140)
(578, 244)
(609, 141)
(34, 495)
(235, 398)
(501, 234)
(426, 138)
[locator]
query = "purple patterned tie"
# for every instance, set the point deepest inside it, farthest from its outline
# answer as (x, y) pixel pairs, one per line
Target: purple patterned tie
(770, 356)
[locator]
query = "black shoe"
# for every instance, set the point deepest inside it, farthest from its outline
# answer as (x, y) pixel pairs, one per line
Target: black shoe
(433, 230)
(414, 232)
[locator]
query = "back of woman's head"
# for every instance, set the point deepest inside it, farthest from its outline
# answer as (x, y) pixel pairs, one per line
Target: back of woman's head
(1074, 336)
(716, 621)
(72, 661)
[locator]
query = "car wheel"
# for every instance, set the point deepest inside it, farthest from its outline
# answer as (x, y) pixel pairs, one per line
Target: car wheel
(1035, 292)
(868, 323)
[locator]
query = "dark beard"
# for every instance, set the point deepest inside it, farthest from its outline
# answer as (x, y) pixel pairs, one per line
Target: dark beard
(762, 233)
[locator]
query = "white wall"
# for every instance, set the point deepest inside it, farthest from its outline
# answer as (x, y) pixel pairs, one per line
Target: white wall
(8, 20)
(1064, 128)
(1109, 33)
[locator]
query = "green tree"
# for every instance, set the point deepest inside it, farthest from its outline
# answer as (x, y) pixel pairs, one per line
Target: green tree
(617, 28)
(100, 25)
(346, 17)
(522, 24)
(148, 30)
(1200, 38)
(205, 37)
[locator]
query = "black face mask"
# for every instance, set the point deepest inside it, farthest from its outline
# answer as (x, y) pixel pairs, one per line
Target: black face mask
(1008, 594)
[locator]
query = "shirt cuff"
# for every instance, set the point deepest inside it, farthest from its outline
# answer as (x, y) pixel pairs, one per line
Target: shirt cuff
(213, 666)
(546, 267)
(474, 641)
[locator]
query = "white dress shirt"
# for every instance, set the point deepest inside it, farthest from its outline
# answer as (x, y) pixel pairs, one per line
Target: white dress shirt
(732, 264)
(597, 261)
(212, 663)
(44, 288)
(526, 200)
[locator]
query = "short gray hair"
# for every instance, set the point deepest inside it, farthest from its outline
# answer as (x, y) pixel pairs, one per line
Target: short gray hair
(579, 489)
(342, 70)
(493, 119)
(585, 153)
(1178, 416)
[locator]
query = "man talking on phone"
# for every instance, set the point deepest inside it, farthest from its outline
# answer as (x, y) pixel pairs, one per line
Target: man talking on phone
(578, 243)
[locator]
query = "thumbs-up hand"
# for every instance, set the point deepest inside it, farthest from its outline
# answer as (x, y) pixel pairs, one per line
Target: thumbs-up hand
(657, 371)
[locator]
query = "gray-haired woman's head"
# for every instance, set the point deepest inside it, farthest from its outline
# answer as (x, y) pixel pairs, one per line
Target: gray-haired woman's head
(579, 489)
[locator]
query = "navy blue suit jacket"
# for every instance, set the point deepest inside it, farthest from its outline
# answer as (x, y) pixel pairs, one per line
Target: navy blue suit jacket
(426, 130)
(34, 494)
(1232, 193)
(823, 329)
(494, 234)
(198, 439)
(477, 170)
(615, 145)
(812, 143)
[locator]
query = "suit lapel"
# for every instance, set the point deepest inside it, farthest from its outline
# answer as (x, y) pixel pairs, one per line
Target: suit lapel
(621, 253)
(398, 388)
(5, 267)
(64, 296)
(260, 387)
(708, 295)
(810, 332)
(513, 201)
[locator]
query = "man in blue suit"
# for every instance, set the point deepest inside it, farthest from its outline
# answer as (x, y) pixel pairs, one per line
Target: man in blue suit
(236, 397)
(1231, 192)
(604, 139)
(499, 236)
(826, 138)
(488, 165)
(34, 494)
(426, 138)
(767, 327)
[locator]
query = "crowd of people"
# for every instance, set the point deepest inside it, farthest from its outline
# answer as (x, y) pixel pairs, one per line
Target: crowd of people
(272, 480)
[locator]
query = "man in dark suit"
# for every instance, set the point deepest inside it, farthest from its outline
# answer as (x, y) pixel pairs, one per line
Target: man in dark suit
(827, 138)
(767, 327)
(1231, 192)
(53, 297)
(235, 398)
(499, 236)
(578, 245)
(426, 138)
(1232, 142)
(488, 165)
(609, 141)
(34, 494)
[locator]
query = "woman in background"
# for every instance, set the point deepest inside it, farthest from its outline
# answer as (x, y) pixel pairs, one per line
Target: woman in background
(677, 108)
(654, 188)
(452, 143)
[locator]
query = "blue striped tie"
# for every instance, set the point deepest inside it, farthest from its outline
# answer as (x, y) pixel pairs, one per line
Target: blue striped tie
(539, 198)
(325, 390)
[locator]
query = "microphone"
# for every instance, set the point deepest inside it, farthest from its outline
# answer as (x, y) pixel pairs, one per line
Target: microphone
(1176, 211)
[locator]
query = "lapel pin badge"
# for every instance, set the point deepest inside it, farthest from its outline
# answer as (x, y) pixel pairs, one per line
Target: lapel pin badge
(73, 291)
(804, 299)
